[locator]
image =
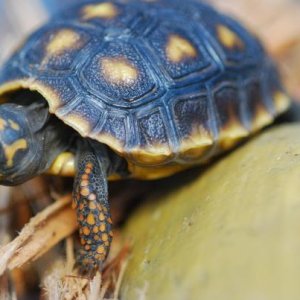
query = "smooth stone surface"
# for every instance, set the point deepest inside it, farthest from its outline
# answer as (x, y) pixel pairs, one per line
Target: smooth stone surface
(231, 233)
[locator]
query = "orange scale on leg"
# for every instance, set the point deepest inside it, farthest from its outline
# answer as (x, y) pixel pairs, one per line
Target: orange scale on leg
(90, 165)
(104, 237)
(85, 177)
(92, 197)
(84, 183)
(101, 216)
(100, 249)
(86, 230)
(102, 227)
(85, 192)
(92, 205)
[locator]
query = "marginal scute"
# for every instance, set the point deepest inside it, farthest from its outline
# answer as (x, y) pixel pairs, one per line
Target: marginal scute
(179, 49)
(77, 122)
(262, 118)
(105, 10)
(196, 144)
(151, 155)
(282, 101)
(230, 118)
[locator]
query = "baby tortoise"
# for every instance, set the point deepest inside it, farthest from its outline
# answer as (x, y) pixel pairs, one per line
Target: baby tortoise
(109, 89)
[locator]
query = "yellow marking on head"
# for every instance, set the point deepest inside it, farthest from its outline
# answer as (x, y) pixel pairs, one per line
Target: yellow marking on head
(14, 125)
(118, 71)
(228, 38)
(282, 101)
(179, 49)
(90, 219)
(105, 10)
(11, 150)
(109, 220)
(3, 124)
(63, 40)
(63, 165)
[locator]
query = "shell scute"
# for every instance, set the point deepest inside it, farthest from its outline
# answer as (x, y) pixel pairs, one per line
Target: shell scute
(54, 49)
(119, 73)
(180, 53)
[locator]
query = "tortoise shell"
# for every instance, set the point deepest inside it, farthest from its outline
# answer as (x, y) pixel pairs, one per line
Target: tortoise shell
(161, 83)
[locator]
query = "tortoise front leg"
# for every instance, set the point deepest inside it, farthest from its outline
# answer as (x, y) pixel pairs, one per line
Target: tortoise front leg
(90, 198)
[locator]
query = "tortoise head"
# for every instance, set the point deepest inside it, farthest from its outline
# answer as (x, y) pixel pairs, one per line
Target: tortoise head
(16, 148)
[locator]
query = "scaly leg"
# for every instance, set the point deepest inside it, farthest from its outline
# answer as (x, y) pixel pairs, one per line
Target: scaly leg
(90, 198)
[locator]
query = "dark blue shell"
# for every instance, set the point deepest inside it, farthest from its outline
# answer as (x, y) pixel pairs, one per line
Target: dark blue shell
(182, 107)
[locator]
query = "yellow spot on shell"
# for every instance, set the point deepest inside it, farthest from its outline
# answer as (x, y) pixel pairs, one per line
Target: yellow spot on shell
(179, 49)
(62, 41)
(228, 38)
(105, 10)
(118, 71)
(95, 229)
(11, 150)
(14, 125)
(90, 219)
(2, 124)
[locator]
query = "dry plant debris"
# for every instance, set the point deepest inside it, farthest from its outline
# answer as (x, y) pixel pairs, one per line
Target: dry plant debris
(43, 231)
